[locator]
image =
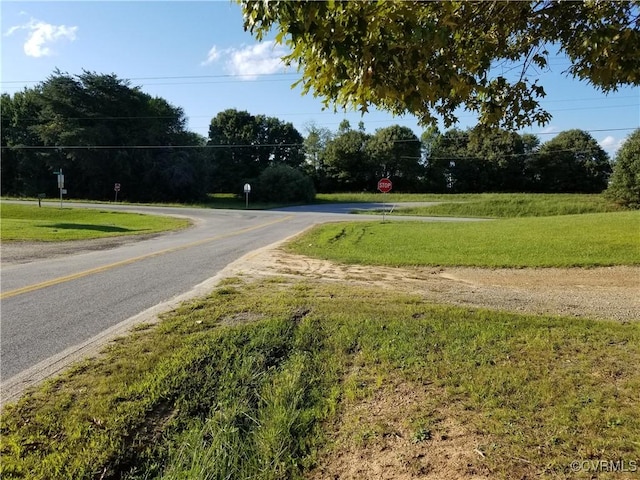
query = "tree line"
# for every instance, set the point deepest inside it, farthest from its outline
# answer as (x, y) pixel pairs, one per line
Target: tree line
(459, 161)
(101, 130)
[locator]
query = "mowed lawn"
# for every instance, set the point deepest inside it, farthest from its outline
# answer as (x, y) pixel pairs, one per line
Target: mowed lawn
(588, 240)
(52, 224)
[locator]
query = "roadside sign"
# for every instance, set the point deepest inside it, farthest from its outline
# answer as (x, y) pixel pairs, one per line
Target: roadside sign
(384, 185)
(247, 188)
(116, 187)
(60, 184)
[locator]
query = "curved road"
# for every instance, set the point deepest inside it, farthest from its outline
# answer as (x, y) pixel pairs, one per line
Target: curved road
(52, 308)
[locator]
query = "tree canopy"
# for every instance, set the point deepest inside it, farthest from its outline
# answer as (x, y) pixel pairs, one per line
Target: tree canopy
(244, 145)
(572, 162)
(431, 58)
(625, 179)
(101, 131)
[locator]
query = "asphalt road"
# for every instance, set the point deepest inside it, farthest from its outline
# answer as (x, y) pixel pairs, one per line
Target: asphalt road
(51, 306)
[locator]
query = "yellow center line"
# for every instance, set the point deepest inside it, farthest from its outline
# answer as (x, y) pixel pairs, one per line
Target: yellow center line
(104, 268)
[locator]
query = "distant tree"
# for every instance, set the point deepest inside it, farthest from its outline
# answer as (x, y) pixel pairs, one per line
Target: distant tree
(435, 171)
(502, 159)
(571, 162)
(232, 135)
(22, 170)
(243, 145)
(530, 143)
(624, 187)
(315, 145)
(395, 153)
(348, 163)
(447, 165)
(470, 173)
(431, 59)
(344, 126)
(531, 148)
(279, 143)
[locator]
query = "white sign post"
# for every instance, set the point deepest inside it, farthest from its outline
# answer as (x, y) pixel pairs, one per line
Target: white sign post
(60, 184)
(247, 190)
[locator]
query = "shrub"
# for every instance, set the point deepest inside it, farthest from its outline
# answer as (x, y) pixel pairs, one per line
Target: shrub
(282, 183)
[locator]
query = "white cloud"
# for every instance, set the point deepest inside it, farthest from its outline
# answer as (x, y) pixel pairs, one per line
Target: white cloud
(212, 56)
(611, 144)
(607, 142)
(251, 61)
(42, 35)
(261, 59)
(13, 30)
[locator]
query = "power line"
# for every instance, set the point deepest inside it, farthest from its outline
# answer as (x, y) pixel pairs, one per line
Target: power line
(223, 146)
(590, 131)
(179, 77)
(146, 147)
(278, 115)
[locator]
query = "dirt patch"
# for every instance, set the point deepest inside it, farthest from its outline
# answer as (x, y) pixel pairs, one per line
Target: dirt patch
(12, 253)
(382, 437)
(600, 293)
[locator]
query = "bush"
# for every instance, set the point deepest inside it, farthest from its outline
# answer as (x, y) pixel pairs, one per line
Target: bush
(281, 183)
(624, 187)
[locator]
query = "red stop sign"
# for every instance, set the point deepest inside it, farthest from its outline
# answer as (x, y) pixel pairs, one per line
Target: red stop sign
(384, 185)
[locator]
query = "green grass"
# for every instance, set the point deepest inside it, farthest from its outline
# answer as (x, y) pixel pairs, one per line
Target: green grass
(517, 205)
(387, 197)
(486, 204)
(48, 224)
(564, 241)
(241, 385)
(482, 205)
(590, 201)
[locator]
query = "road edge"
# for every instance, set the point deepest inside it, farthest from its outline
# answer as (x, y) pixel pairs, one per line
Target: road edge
(12, 389)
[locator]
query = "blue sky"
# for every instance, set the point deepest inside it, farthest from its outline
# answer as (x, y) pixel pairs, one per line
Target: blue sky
(197, 56)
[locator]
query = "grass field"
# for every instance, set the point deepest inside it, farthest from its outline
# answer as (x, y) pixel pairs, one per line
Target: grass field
(242, 384)
(48, 224)
(516, 205)
(254, 380)
(562, 241)
(486, 204)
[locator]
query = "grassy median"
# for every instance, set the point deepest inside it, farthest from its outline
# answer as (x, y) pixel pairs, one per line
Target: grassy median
(49, 224)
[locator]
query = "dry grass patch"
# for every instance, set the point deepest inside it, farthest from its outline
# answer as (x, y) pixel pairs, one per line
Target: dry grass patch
(400, 433)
